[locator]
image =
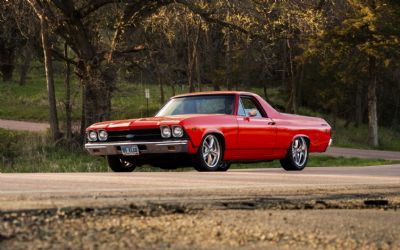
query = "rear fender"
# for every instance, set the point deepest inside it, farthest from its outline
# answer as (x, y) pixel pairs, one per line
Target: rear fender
(302, 135)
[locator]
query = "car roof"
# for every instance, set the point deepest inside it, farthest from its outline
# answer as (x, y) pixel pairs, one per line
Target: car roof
(214, 93)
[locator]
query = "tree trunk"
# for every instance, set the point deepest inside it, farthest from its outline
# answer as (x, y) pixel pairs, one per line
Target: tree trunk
(359, 109)
(283, 75)
(212, 56)
(228, 63)
(372, 103)
(25, 64)
(98, 88)
(395, 122)
(198, 73)
(68, 104)
(49, 80)
(189, 51)
(161, 85)
(292, 103)
(265, 91)
(83, 112)
(7, 56)
(173, 89)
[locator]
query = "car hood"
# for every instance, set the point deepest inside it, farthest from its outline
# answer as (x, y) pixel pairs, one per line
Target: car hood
(141, 123)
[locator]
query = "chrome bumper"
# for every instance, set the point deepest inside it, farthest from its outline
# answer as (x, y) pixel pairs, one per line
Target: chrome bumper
(159, 147)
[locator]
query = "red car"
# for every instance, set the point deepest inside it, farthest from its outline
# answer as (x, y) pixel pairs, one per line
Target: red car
(210, 130)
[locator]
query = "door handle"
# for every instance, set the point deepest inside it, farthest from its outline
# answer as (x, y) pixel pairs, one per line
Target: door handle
(271, 123)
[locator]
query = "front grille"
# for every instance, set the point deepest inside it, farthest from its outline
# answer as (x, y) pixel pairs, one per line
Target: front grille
(134, 135)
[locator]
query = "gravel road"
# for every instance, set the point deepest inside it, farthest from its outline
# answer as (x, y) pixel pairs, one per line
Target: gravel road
(320, 208)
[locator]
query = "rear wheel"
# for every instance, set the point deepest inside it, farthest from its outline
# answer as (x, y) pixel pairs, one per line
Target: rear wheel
(297, 156)
(210, 155)
(118, 164)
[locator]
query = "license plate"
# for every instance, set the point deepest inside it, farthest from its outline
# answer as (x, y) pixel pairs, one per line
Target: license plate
(130, 150)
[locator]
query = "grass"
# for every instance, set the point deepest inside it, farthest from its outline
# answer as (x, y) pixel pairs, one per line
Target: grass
(29, 102)
(322, 161)
(33, 152)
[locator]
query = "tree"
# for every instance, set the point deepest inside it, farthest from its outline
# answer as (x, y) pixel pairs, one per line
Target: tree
(48, 63)
(371, 31)
(9, 40)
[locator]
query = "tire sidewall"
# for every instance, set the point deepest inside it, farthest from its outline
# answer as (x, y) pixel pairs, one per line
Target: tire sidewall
(288, 162)
(114, 162)
(200, 164)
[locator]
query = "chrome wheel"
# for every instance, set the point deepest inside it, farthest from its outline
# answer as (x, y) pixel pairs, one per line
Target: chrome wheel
(119, 164)
(211, 151)
(125, 164)
(299, 151)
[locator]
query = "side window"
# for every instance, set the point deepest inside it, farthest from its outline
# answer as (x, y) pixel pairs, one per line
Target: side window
(249, 107)
(241, 111)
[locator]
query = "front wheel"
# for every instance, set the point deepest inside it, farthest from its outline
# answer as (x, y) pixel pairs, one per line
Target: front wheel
(210, 155)
(297, 155)
(118, 164)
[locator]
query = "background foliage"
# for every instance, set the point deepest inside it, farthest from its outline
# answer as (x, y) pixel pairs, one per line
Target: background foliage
(336, 58)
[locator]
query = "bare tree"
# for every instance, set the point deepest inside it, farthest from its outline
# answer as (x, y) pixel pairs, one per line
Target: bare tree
(48, 63)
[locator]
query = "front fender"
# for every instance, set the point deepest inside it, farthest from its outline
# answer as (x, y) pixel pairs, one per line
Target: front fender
(197, 134)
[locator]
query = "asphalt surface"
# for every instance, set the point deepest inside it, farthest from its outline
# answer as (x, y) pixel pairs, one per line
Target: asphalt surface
(55, 190)
(363, 153)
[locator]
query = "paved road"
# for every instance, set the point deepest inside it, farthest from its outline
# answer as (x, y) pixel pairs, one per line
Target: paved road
(363, 153)
(21, 191)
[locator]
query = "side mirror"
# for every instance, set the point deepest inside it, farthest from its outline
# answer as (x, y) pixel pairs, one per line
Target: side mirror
(253, 113)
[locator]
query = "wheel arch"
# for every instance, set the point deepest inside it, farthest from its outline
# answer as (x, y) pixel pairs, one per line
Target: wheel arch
(217, 133)
(306, 137)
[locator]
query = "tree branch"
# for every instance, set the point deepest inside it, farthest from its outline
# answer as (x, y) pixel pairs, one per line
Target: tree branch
(94, 5)
(59, 55)
(207, 16)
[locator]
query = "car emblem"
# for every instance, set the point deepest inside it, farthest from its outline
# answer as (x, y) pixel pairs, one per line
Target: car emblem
(130, 136)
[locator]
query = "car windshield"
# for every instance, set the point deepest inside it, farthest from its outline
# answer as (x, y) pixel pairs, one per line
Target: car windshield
(203, 104)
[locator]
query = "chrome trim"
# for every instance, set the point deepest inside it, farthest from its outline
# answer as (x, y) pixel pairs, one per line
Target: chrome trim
(111, 148)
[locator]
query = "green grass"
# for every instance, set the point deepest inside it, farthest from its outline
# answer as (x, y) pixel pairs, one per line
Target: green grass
(29, 102)
(322, 161)
(33, 152)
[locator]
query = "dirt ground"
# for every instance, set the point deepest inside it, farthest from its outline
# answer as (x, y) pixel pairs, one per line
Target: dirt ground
(368, 224)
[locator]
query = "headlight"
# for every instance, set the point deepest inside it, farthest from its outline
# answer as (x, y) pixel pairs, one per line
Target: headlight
(103, 135)
(177, 131)
(165, 132)
(92, 136)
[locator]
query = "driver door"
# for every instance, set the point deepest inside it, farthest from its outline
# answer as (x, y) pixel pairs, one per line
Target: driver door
(256, 132)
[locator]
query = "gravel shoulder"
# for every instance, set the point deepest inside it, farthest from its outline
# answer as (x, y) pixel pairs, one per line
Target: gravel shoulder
(296, 224)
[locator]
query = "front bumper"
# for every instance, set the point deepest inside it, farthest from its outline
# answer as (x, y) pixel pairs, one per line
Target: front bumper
(145, 147)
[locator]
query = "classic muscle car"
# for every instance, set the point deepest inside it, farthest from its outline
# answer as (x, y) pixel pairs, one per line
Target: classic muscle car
(209, 131)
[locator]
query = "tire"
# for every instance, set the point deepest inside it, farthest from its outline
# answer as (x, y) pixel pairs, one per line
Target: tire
(210, 155)
(118, 164)
(297, 156)
(224, 166)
